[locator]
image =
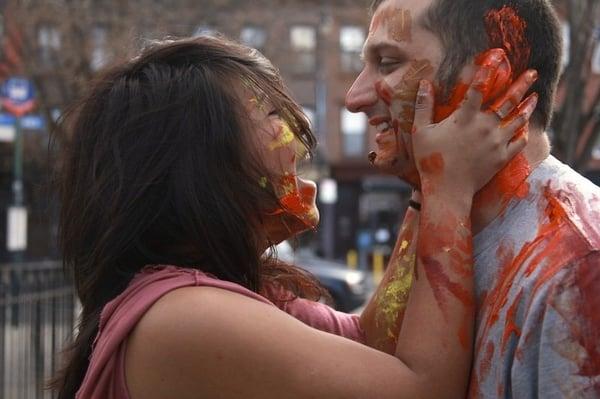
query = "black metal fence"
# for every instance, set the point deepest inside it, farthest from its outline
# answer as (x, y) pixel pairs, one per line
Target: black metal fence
(37, 314)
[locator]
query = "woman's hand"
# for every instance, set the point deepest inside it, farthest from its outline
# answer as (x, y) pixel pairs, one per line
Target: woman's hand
(463, 152)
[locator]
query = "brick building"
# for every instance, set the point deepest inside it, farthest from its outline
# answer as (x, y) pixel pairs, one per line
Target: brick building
(315, 43)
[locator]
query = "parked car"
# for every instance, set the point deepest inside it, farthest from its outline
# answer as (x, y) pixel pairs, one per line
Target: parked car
(349, 288)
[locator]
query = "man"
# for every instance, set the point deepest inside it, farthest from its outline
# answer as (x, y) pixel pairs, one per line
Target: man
(537, 223)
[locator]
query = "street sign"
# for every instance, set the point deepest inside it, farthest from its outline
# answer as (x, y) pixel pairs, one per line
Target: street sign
(16, 237)
(18, 96)
(7, 133)
(32, 122)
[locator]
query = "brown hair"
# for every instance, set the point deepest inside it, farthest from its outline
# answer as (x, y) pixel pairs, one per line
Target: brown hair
(157, 170)
(460, 25)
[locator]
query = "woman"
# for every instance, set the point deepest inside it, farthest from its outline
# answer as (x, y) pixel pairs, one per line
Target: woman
(186, 157)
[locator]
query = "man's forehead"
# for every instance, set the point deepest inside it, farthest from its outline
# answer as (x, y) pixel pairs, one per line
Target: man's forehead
(400, 12)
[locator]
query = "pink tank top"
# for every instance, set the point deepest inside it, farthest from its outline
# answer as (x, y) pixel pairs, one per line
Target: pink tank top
(105, 377)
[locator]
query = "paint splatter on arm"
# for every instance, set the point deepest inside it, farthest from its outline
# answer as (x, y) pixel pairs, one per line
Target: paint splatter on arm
(382, 318)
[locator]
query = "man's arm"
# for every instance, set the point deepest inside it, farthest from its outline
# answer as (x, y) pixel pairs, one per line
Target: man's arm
(382, 318)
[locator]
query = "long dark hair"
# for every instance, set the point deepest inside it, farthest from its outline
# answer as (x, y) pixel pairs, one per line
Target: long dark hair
(157, 169)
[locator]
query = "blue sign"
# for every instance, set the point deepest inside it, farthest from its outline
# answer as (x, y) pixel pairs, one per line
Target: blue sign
(7, 119)
(32, 122)
(18, 90)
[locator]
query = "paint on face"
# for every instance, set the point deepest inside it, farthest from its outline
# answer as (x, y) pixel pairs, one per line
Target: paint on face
(397, 20)
(283, 139)
(399, 92)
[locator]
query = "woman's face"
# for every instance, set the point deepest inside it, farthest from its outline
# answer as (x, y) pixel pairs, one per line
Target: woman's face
(280, 151)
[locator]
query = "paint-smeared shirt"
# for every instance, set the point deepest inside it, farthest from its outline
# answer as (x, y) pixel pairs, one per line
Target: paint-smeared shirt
(105, 377)
(537, 282)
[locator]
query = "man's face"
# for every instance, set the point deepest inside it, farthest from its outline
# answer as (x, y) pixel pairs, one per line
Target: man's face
(398, 53)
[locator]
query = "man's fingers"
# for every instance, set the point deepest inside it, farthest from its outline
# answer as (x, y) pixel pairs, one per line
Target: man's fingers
(507, 103)
(424, 105)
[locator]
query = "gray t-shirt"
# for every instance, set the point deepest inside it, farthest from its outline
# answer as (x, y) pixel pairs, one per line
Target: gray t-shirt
(537, 282)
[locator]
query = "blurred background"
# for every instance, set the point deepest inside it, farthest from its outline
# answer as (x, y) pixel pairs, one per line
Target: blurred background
(50, 49)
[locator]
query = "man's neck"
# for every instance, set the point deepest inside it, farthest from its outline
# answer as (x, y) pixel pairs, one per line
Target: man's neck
(510, 183)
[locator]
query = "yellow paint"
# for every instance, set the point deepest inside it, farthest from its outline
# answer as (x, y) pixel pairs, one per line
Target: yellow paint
(285, 137)
(392, 299)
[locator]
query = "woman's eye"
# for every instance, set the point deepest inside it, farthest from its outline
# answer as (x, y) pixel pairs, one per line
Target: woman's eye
(274, 113)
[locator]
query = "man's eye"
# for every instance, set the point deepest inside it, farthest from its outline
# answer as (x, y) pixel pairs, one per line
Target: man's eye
(388, 64)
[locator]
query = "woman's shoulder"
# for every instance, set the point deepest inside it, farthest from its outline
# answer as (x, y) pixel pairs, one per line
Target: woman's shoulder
(188, 329)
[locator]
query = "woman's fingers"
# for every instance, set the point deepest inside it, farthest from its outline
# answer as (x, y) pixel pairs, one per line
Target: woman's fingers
(515, 127)
(516, 123)
(424, 105)
(482, 82)
(505, 105)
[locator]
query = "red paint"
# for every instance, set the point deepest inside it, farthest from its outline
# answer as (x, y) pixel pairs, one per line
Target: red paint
(507, 30)
(433, 164)
(557, 244)
(511, 326)
(440, 282)
(384, 91)
(481, 371)
(587, 280)
(496, 83)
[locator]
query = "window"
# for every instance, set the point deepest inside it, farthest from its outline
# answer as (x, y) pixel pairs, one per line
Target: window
(596, 59)
(596, 150)
(253, 36)
(354, 128)
(303, 39)
(48, 42)
(310, 114)
(351, 42)
(566, 39)
(204, 30)
(99, 56)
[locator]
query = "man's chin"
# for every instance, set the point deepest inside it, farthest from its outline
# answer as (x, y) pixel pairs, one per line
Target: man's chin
(396, 166)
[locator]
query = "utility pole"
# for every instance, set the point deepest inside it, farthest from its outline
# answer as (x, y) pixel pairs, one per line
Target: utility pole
(18, 99)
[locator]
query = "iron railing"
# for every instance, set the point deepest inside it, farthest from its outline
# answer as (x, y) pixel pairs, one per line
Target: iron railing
(37, 315)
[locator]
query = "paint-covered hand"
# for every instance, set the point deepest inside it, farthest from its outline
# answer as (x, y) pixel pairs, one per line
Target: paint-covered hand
(463, 152)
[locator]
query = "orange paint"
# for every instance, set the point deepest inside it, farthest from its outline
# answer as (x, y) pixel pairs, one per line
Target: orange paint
(556, 244)
(507, 30)
(511, 326)
(491, 88)
(398, 21)
(433, 164)
(384, 91)
(440, 282)
(481, 371)
(587, 280)
(400, 25)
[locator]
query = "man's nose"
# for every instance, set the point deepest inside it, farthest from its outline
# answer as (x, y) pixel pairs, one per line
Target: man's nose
(361, 95)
